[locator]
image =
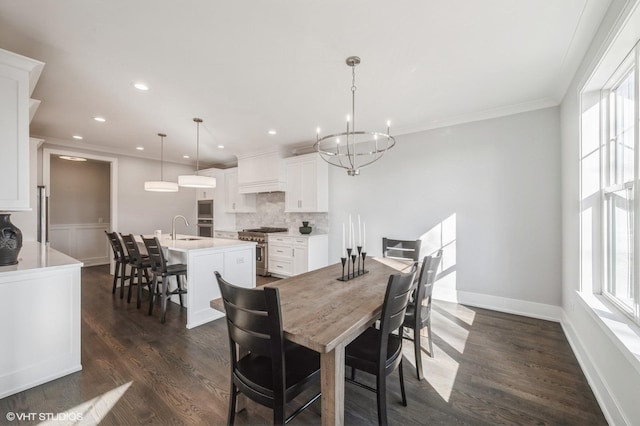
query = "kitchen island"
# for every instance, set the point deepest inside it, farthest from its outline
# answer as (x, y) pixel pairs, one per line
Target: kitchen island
(234, 259)
(40, 317)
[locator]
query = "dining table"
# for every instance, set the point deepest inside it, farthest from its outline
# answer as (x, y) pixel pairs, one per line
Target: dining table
(325, 314)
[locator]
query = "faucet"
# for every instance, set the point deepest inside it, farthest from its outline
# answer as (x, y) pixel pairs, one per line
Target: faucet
(173, 225)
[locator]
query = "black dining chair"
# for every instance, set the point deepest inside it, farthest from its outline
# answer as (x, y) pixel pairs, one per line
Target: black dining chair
(418, 313)
(403, 249)
(139, 265)
(378, 351)
(265, 368)
(121, 261)
(161, 274)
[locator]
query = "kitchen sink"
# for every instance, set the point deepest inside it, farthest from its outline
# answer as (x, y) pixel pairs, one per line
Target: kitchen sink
(189, 239)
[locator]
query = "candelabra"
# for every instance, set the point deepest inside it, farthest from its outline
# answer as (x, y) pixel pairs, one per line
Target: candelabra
(354, 262)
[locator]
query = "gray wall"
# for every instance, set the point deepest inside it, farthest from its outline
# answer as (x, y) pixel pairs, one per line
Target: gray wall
(487, 190)
(79, 192)
(142, 212)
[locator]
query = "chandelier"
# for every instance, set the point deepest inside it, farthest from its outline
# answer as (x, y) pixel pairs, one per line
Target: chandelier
(196, 180)
(353, 149)
(161, 185)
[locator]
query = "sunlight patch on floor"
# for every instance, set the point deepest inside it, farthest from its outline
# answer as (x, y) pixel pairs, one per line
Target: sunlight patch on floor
(90, 412)
(441, 371)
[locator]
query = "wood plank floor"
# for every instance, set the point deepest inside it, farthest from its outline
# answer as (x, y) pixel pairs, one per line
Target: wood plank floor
(489, 368)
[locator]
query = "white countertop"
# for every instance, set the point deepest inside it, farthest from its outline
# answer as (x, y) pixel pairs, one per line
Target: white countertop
(35, 255)
(200, 243)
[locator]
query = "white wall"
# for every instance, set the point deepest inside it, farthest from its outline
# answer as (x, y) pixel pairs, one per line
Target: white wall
(614, 378)
(487, 190)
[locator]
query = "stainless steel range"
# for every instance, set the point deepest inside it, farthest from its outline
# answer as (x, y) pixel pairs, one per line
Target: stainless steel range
(259, 235)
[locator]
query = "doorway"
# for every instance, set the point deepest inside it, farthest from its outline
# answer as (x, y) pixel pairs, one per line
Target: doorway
(82, 192)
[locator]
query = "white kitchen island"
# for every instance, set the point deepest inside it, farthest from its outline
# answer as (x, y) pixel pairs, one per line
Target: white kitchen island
(234, 259)
(40, 317)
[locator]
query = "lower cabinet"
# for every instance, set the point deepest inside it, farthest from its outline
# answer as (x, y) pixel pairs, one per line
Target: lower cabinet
(229, 235)
(293, 255)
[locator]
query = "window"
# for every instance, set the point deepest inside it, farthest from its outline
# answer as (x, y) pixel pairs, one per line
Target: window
(621, 191)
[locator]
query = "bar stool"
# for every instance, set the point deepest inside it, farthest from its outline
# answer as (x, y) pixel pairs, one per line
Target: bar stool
(139, 266)
(121, 260)
(161, 272)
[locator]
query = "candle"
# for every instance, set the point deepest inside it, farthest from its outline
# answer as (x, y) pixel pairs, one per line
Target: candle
(343, 248)
(349, 236)
(364, 236)
(359, 232)
(352, 237)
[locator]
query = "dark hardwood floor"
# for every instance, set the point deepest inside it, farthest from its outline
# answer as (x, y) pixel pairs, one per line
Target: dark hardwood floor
(489, 368)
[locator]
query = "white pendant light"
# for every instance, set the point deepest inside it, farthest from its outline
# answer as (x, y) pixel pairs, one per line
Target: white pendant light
(195, 180)
(161, 185)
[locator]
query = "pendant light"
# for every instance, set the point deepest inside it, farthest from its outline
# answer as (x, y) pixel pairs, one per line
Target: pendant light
(161, 185)
(195, 180)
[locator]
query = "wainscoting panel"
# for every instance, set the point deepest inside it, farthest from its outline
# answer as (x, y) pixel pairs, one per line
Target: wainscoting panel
(83, 241)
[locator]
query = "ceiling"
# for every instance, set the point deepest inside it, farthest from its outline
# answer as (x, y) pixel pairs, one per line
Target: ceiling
(246, 67)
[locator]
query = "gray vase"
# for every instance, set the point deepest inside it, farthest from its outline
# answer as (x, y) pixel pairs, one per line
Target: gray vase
(10, 241)
(305, 228)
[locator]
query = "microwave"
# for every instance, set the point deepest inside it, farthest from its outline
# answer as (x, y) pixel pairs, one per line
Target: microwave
(205, 209)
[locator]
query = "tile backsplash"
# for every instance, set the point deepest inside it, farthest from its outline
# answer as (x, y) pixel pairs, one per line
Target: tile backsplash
(270, 212)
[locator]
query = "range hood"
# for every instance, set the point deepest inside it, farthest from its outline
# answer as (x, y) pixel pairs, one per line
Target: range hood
(261, 172)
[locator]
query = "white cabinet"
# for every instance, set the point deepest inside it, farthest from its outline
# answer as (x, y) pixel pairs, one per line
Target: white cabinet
(292, 255)
(307, 184)
(261, 172)
(228, 235)
(234, 201)
(206, 193)
(18, 76)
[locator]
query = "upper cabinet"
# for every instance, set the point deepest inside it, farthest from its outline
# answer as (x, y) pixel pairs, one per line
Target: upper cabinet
(207, 193)
(261, 172)
(235, 202)
(18, 77)
(307, 184)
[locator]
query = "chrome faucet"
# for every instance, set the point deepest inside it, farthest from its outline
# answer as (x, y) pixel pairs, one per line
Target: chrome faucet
(173, 225)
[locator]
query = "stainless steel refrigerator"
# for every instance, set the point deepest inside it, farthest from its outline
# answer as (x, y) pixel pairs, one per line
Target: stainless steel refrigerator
(43, 215)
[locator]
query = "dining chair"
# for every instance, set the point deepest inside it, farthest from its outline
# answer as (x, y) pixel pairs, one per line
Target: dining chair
(418, 313)
(161, 274)
(403, 249)
(121, 261)
(378, 351)
(139, 264)
(265, 368)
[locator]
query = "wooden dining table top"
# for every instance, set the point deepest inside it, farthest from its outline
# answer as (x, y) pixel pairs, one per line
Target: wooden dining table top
(319, 311)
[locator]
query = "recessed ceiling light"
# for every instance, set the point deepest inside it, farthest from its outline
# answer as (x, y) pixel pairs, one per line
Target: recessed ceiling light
(78, 137)
(100, 119)
(185, 156)
(221, 146)
(140, 148)
(272, 132)
(66, 157)
(141, 86)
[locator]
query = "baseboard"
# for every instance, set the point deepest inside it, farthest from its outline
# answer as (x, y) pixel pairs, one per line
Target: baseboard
(609, 406)
(506, 305)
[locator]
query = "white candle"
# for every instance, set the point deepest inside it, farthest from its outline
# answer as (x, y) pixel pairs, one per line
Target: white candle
(359, 232)
(364, 236)
(343, 248)
(353, 238)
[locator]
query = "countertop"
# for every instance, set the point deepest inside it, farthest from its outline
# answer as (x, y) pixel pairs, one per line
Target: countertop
(35, 255)
(200, 243)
